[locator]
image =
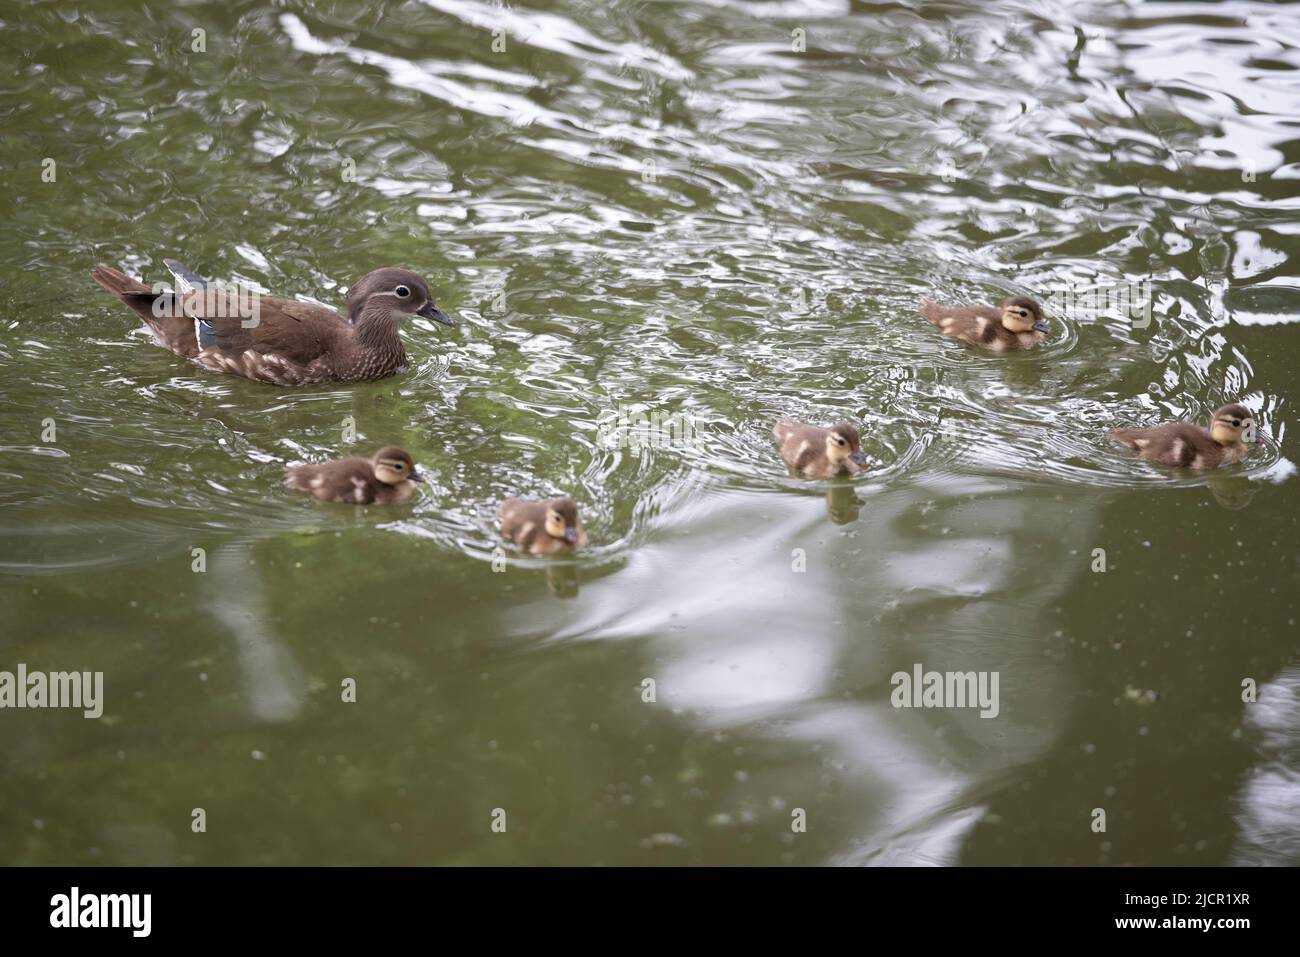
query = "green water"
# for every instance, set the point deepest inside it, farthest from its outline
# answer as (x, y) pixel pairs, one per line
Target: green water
(661, 206)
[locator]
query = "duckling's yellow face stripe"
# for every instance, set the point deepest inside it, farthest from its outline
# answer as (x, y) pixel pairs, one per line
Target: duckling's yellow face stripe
(1017, 319)
(837, 447)
(555, 524)
(1231, 429)
(390, 472)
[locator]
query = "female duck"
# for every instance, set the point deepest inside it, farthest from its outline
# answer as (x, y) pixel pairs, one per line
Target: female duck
(280, 341)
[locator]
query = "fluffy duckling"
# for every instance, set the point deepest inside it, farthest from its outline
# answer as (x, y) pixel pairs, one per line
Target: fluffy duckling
(280, 341)
(1189, 446)
(542, 528)
(820, 453)
(1017, 324)
(387, 479)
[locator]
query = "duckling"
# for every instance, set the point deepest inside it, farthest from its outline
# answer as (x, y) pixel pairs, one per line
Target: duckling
(387, 479)
(820, 453)
(542, 528)
(1017, 324)
(1186, 445)
(280, 341)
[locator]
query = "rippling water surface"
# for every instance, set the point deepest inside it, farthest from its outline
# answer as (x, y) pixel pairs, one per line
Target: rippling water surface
(722, 210)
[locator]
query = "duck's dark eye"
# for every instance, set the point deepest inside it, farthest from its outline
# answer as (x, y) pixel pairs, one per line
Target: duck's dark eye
(402, 292)
(1236, 422)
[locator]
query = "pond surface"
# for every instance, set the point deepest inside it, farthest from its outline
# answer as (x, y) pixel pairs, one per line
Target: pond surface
(718, 210)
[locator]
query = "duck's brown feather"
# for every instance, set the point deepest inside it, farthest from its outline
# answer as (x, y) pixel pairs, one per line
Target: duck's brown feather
(349, 481)
(176, 334)
(803, 449)
(1180, 445)
(979, 326)
(523, 523)
(286, 343)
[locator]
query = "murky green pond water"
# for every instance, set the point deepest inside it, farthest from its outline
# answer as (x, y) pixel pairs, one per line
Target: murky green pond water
(724, 210)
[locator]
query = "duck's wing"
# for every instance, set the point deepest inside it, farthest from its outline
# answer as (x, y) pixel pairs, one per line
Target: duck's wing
(1179, 444)
(1131, 436)
(227, 319)
(800, 445)
(347, 480)
(235, 323)
(786, 429)
(522, 521)
(187, 280)
(936, 313)
(978, 325)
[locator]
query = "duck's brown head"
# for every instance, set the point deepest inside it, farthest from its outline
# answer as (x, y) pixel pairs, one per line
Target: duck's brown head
(1233, 423)
(1022, 314)
(392, 290)
(393, 466)
(844, 443)
(562, 520)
